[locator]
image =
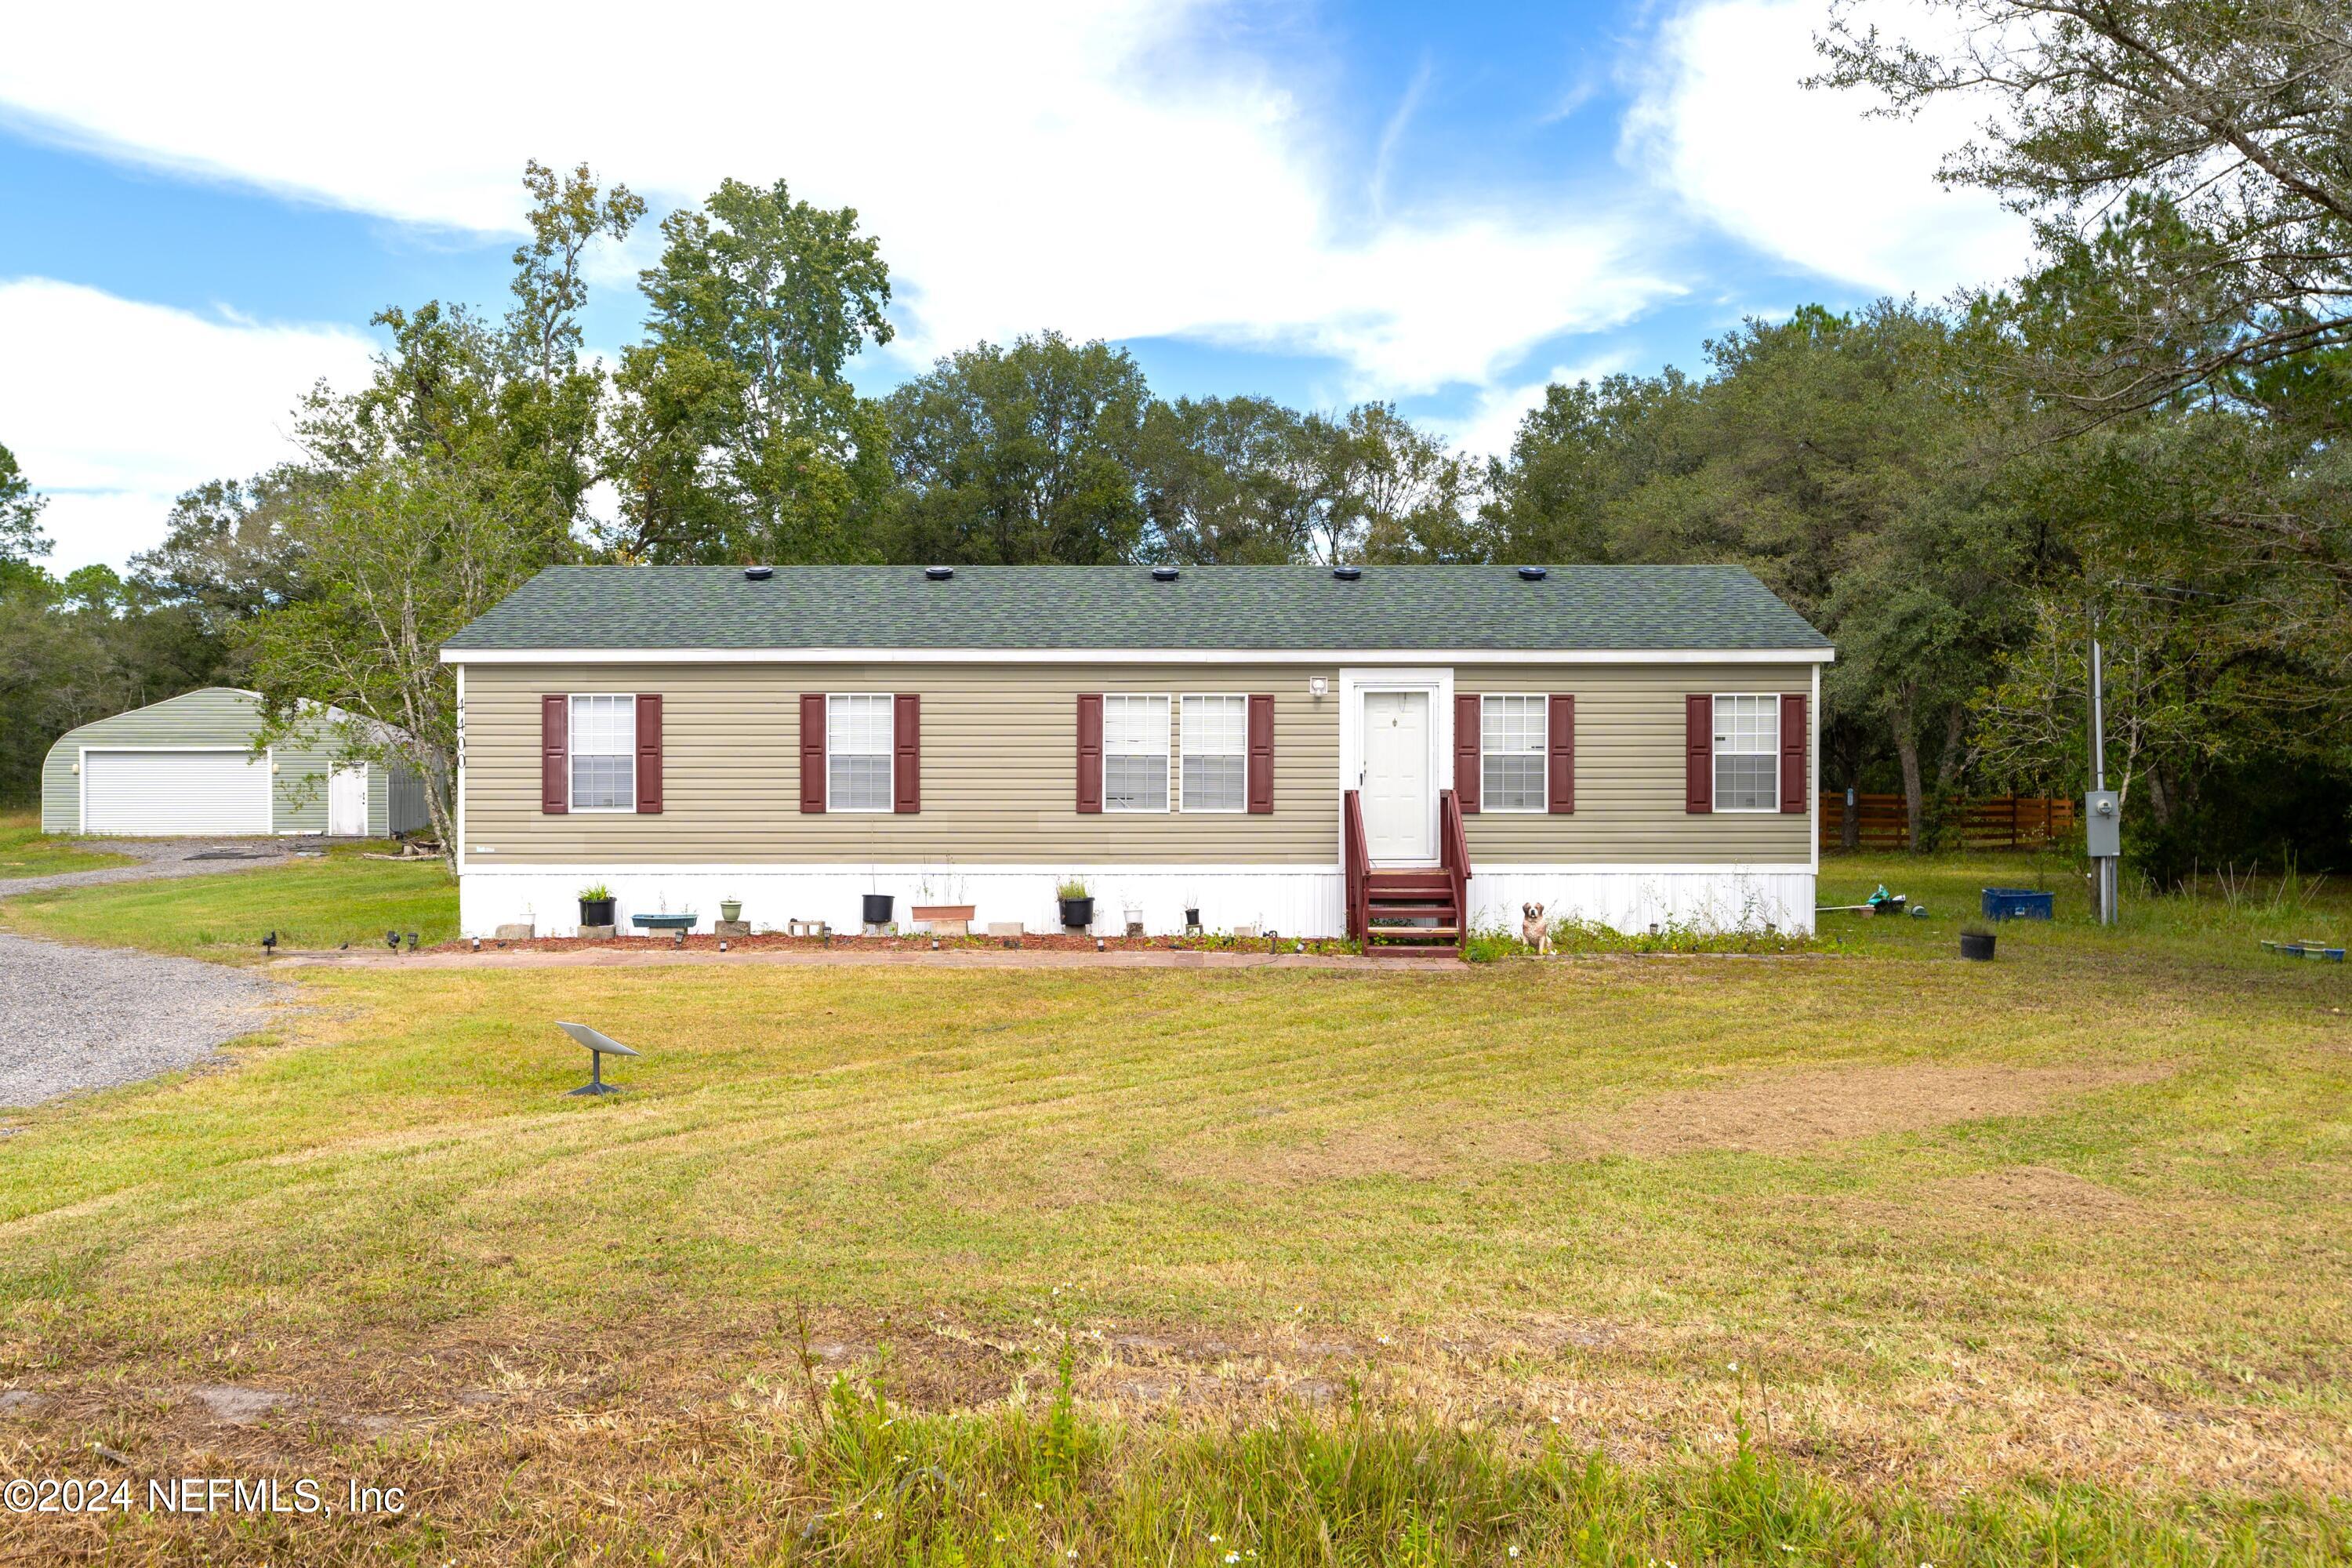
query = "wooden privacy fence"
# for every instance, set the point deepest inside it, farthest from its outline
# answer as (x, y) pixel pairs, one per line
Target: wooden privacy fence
(1984, 822)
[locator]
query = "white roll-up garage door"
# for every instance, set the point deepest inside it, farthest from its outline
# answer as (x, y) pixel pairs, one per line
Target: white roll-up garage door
(165, 793)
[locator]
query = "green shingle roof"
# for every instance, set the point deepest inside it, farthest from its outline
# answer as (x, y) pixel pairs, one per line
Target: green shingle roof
(1207, 608)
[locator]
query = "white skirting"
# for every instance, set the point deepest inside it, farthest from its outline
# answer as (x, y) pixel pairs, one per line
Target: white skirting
(1634, 898)
(1296, 900)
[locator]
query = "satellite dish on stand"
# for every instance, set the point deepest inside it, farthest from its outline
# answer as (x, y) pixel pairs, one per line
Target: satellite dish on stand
(600, 1045)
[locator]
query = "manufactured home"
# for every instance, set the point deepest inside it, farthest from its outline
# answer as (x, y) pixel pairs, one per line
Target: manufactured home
(188, 767)
(1309, 751)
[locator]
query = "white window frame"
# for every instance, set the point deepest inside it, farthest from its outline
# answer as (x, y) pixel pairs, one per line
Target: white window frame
(1772, 700)
(1183, 748)
(1167, 758)
(572, 750)
(890, 754)
(1542, 753)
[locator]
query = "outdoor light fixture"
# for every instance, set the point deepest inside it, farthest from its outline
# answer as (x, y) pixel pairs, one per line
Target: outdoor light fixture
(412, 941)
(477, 944)
(392, 939)
(1319, 688)
(722, 944)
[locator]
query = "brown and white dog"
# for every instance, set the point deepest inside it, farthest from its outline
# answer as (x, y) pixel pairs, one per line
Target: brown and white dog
(1534, 929)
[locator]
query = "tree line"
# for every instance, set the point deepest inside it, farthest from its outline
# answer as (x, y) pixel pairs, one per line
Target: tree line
(2147, 428)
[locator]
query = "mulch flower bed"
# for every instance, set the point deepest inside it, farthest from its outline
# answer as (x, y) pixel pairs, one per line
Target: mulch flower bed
(1047, 941)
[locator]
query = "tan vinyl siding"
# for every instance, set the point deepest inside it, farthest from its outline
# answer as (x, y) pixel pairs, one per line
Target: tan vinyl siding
(999, 759)
(1628, 770)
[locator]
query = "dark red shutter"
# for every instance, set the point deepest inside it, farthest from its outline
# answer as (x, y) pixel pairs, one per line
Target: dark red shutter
(1792, 752)
(1465, 755)
(1561, 733)
(906, 773)
(1698, 753)
(1261, 755)
(555, 755)
(812, 752)
(1090, 752)
(649, 753)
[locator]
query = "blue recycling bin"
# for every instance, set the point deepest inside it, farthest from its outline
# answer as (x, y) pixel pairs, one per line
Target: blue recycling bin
(2017, 904)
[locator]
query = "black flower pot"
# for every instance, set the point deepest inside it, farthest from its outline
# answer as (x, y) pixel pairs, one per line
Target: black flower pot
(877, 908)
(596, 911)
(1977, 945)
(1192, 918)
(1078, 912)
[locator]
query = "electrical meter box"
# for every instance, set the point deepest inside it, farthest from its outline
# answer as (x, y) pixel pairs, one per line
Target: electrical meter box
(2102, 824)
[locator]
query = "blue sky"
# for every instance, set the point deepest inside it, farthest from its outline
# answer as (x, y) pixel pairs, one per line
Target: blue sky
(1442, 206)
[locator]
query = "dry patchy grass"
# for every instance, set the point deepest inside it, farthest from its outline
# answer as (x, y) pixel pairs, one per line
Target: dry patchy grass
(2075, 1219)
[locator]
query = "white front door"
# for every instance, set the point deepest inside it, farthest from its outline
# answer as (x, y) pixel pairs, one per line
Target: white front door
(347, 801)
(1398, 823)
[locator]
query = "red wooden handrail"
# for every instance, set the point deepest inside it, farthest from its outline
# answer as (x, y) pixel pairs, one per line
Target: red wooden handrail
(1453, 853)
(1359, 865)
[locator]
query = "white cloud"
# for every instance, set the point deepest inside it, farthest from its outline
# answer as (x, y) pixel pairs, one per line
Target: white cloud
(1103, 168)
(114, 408)
(1724, 122)
(1487, 426)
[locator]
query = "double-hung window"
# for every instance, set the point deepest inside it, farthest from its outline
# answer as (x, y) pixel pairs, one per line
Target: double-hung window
(603, 749)
(1214, 734)
(857, 753)
(1135, 754)
(1748, 753)
(1511, 740)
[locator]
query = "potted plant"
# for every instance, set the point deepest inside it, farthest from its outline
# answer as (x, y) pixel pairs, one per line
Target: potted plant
(1976, 942)
(1077, 905)
(596, 905)
(730, 910)
(877, 909)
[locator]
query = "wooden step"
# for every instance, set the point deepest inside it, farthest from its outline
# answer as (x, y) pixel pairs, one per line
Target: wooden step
(1414, 912)
(1415, 933)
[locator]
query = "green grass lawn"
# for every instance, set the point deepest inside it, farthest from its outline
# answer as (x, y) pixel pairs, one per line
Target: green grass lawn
(2044, 1259)
(27, 851)
(318, 903)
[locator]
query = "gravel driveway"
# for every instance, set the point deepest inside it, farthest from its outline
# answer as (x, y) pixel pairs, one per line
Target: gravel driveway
(162, 858)
(88, 1017)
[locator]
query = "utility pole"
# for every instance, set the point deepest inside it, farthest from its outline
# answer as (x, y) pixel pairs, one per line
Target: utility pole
(2101, 826)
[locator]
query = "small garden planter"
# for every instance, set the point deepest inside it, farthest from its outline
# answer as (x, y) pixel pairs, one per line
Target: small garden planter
(1077, 914)
(1192, 918)
(944, 920)
(596, 906)
(877, 909)
(730, 910)
(1978, 945)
